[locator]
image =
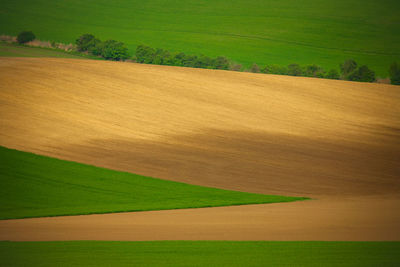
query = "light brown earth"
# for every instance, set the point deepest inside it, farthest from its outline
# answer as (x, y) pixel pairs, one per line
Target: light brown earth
(340, 219)
(335, 141)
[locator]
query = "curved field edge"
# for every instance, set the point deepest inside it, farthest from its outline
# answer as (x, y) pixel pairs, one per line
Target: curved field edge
(39, 186)
(200, 253)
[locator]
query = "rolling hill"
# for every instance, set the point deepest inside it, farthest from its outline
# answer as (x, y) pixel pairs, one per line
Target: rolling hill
(262, 32)
(248, 132)
(334, 141)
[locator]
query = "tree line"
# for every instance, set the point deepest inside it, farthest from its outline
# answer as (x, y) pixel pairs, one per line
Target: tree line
(149, 55)
(110, 49)
(349, 70)
(114, 50)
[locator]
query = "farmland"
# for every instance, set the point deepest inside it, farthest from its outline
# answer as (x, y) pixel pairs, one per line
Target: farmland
(256, 133)
(34, 186)
(333, 141)
(195, 253)
(262, 32)
(202, 156)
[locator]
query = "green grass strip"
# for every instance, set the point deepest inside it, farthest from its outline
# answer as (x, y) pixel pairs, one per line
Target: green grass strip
(263, 32)
(200, 253)
(36, 186)
(15, 50)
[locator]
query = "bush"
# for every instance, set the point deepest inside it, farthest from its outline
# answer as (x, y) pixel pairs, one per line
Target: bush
(145, 54)
(189, 61)
(178, 59)
(235, 67)
(86, 42)
(294, 70)
(148, 55)
(221, 63)
(255, 68)
(114, 50)
(314, 71)
(332, 74)
(362, 74)
(97, 49)
(25, 36)
(347, 68)
(275, 69)
(394, 73)
(161, 57)
(204, 62)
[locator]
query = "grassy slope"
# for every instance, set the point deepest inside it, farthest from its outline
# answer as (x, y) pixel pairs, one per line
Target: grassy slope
(34, 186)
(13, 50)
(200, 253)
(273, 32)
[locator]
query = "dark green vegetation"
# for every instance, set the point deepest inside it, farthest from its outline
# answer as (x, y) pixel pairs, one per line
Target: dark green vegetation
(263, 32)
(13, 50)
(351, 72)
(200, 253)
(110, 49)
(395, 73)
(305, 71)
(149, 55)
(25, 36)
(35, 186)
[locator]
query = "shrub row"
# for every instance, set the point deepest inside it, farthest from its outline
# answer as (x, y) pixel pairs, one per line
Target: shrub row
(149, 55)
(110, 49)
(349, 69)
(114, 50)
(305, 71)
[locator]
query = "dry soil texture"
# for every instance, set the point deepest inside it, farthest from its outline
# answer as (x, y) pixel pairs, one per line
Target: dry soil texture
(335, 141)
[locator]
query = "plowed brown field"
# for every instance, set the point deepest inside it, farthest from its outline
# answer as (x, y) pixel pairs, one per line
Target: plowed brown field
(336, 141)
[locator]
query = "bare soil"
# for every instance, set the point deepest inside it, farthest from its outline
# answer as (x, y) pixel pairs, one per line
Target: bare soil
(335, 141)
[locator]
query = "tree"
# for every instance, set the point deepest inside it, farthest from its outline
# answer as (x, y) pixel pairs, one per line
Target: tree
(97, 49)
(347, 68)
(362, 74)
(86, 42)
(25, 37)
(255, 68)
(145, 54)
(190, 61)
(161, 57)
(394, 73)
(314, 71)
(294, 70)
(275, 69)
(235, 67)
(178, 59)
(204, 62)
(221, 63)
(332, 74)
(114, 50)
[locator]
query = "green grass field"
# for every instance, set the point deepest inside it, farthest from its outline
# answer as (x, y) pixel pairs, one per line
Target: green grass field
(36, 186)
(13, 50)
(199, 253)
(264, 32)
